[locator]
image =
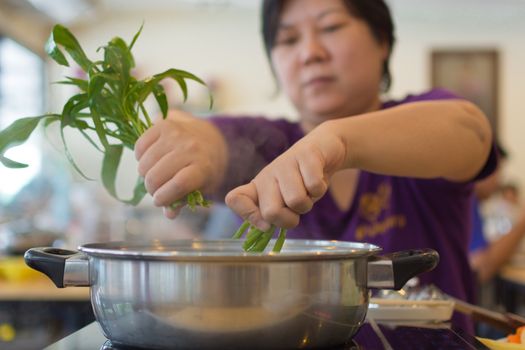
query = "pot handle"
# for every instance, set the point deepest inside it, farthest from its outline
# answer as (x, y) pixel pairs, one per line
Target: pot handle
(392, 271)
(64, 267)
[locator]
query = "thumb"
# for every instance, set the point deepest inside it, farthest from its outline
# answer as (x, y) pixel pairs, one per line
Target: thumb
(172, 213)
(244, 200)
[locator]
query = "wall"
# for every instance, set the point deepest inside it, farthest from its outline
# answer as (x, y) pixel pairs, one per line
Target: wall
(225, 45)
(469, 24)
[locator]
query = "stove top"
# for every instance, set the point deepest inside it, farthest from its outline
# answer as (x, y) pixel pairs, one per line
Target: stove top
(371, 336)
(109, 346)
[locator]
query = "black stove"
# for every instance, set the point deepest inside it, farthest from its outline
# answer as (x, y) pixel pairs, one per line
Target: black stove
(371, 336)
(109, 346)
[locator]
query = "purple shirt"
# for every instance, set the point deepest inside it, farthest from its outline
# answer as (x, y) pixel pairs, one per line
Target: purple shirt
(395, 213)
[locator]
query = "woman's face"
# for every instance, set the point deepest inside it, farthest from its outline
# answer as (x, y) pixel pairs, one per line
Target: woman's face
(327, 61)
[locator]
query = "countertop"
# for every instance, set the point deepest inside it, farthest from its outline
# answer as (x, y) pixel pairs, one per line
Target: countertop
(19, 282)
(41, 290)
(513, 273)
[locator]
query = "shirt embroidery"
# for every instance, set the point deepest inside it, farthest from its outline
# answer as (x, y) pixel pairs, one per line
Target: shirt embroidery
(371, 206)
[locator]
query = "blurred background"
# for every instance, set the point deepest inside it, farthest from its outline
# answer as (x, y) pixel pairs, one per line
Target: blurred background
(473, 47)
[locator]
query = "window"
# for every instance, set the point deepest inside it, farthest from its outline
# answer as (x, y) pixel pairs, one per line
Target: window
(21, 94)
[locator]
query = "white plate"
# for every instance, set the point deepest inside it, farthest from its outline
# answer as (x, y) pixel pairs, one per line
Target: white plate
(410, 310)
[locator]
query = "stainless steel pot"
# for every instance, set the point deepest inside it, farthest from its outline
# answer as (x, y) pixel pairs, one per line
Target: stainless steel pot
(203, 294)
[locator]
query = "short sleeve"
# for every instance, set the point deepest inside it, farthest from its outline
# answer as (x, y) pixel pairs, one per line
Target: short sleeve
(253, 142)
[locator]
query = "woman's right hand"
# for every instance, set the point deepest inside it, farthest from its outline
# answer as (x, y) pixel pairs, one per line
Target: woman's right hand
(290, 185)
(178, 155)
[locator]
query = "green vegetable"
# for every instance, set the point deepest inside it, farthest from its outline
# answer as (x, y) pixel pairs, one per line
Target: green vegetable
(257, 240)
(280, 240)
(110, 104)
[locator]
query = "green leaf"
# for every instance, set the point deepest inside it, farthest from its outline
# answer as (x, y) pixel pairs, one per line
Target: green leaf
(110, 164)
(136, 36)
(62, 36)
(182, 84)
(109, 174)
(97, 121)
(117, 59)
(69, 156)
(138, 193)
(128, 61)
(162, 100)
(172, 72)
(111, 104)
(16, 133)
(73, 106)
(88, 138)
(179, 76)
(97, 82)
(9, 163)
(80, 83)
(54, 51)
(51, 118)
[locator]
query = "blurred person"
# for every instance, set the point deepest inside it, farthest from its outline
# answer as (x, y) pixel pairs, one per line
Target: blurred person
(510, 193)
(487, 256)
(487, 260)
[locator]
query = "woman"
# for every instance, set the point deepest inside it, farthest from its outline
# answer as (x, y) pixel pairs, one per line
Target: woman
(394, 173)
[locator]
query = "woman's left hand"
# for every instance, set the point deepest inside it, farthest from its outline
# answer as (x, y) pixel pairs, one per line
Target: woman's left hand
(292, 183)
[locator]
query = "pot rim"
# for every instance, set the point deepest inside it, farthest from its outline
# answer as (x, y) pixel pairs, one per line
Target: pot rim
(228, 250)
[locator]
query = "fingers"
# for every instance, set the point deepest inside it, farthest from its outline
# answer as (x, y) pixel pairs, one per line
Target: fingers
(171, 213)
(281, 192)
(313, 176)
(271, 203)
(160, 162)
(178, 155)
(147, 139)
(262, 205)
(151, 156)
(244, 201)
(167, 167)
(293, 191)
(184, 181)
(162, 171)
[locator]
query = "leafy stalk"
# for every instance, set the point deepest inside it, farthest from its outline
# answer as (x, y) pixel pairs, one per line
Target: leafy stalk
(241, 230)
(110, 103)
(280, 240)
(257, 240)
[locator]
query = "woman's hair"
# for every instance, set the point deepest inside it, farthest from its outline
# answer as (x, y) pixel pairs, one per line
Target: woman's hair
(374, 12)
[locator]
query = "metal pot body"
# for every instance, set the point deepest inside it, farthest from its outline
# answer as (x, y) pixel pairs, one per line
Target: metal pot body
(212, 295)
(221, 305)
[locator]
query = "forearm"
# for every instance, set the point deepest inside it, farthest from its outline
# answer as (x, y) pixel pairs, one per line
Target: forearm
(449, 139)
(220, 158)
